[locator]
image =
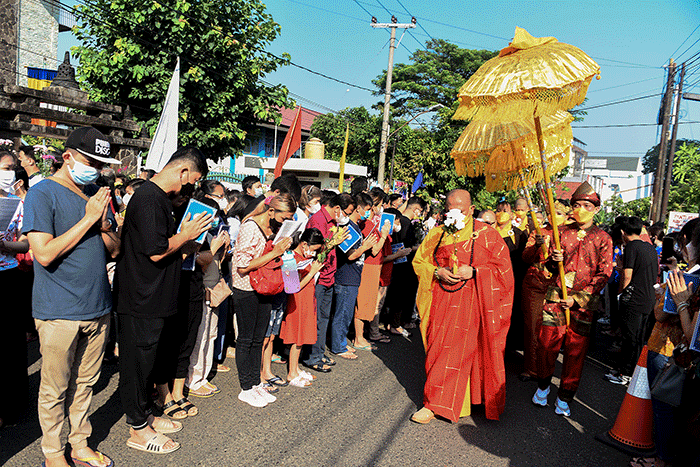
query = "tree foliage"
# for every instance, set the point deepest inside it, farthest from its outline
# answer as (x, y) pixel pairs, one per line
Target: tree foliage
(685, 194)
(615, 207)
(128, 52)
(650, 160)
(433, 76)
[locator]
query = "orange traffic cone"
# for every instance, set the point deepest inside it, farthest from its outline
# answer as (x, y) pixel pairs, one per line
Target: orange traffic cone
(632, 432)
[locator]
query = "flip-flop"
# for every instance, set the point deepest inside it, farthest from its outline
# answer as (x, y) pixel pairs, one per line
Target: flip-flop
(328, 360)
(300, 382)
(87, 461)
(369, 347)
(319, 367)
(154, 445)
(187, 406)
(203, 395)
(278, 359)
(212, 387)
(277, 381)
(347, 355)
(380, 339)
(642, 462)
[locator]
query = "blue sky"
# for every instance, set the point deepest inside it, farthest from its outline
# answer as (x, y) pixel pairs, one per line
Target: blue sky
(631, 40)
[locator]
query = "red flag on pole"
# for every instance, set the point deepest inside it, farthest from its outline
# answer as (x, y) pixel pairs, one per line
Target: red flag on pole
(292, 142)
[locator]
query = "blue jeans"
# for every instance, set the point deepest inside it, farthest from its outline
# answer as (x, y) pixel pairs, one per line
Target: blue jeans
(345, 298)
(665, 420)
(324, 301)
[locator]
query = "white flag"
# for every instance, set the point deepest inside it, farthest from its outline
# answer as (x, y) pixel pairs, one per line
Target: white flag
(164, 142)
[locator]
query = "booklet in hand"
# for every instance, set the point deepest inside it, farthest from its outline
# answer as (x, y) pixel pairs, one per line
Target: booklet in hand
(669, 304)
(193, 209)
(8, 208)
(289, 228)
(387, 217)
(396, 247)
(354, 237)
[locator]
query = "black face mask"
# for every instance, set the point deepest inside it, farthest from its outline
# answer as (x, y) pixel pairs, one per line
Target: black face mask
(187, 190)
(275, 225)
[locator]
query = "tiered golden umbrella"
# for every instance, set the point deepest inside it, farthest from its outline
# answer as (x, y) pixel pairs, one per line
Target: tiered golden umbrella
(531, 78)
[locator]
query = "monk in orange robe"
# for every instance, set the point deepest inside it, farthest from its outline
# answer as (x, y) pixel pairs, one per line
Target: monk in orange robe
(465, 298)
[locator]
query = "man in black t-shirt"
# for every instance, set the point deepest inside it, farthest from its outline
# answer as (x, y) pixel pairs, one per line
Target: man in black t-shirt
(639, 272)
(145, 288)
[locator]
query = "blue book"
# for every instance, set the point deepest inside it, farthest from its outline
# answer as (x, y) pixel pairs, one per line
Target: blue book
(396, 247)
(351, 241)
(193, 208)
(387, 217)
(669, 304)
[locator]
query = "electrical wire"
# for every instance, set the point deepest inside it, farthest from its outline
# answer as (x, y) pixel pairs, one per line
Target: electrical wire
(686, 39)
(606, 104)
(625, 125)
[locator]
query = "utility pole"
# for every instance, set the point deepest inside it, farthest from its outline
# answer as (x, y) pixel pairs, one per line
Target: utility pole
(394, 25)
(672, 151)
(655, 214)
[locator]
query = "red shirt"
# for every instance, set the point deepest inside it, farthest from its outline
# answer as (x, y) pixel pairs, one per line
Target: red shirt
(323, 222)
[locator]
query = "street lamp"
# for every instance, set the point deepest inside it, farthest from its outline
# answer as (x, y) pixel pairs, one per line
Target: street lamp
(430, 109)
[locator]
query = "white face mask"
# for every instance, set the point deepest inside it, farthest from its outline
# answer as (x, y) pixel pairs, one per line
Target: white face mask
(258, 192)
(314, 208)
(692, 252)
(343, 220)
(397, 227)
(7, 179)
(223, 203)
(126, 199)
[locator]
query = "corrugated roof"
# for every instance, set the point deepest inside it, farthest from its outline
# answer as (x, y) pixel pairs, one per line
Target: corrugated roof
(307, 117)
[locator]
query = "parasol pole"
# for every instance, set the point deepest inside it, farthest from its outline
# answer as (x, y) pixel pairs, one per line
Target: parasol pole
(550, 201)
(531, 206)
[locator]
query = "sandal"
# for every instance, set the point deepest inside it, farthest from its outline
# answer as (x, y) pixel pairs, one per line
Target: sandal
(187, 406)
(299, 382)
(642, 462)
(202, 392)
(87, 461)
(278, 359)
(277, 381)
(347, 355)
(320, 367)
(154, 445)
(173, 427)
(172, 409)
(328, 360)
(211, 386)
(269, 387)
(365, 347)
(306, 375)
(380, 339)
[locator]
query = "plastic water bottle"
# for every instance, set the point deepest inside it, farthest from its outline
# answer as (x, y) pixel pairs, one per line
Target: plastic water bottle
(290, 275)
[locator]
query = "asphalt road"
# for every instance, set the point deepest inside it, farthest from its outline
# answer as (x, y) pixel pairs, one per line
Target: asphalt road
(357, 415)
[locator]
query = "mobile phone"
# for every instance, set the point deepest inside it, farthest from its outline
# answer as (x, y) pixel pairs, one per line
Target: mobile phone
(667, 251)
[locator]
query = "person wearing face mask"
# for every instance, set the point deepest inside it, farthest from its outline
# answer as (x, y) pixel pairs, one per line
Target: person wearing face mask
(309, 203)
(520, 218)
(464, 300)
(401, 295)
(334, 213)
(368, 295)
(71, 234)
(515, 239)
(535, 284)
(253, 310)
(28, 161)
(146, 286)
(299, 323)
(252, 189)
(13, 343)
(347, 279)
(587, 256)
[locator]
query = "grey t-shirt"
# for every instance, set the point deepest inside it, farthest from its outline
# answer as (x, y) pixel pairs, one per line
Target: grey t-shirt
(75, 286)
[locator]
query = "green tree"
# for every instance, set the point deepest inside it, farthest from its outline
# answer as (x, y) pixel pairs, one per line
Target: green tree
(650, 160)
(433, 76)
(685, 194)
(615, 207)
(128, 52)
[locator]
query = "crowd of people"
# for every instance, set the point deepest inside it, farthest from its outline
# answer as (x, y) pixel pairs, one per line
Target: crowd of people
(121, 269)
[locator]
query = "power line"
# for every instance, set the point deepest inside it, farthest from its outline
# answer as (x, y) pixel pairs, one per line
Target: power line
(689, 47)
(686, 39)
(630, 65)
(625, 125)
(620, 102)
(625, 84)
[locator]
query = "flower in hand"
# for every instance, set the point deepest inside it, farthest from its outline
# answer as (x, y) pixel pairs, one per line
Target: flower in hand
(454, 221)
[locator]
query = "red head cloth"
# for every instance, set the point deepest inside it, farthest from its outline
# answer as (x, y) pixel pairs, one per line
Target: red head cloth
(585, 192)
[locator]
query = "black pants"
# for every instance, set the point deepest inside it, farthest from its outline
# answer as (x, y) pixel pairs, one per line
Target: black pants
(178, 339)
(253, 317)
(401, 295)
(14, 389)
(141, 360)
(633, 325)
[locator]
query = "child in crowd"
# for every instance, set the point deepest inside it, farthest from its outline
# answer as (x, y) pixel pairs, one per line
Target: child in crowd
(299, 323)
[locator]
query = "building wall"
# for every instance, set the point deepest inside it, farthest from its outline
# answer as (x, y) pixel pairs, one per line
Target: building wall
(8, 41)
(38, 37)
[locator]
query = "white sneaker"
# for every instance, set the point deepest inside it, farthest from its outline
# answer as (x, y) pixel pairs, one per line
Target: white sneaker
(263, 394)
(251, 397)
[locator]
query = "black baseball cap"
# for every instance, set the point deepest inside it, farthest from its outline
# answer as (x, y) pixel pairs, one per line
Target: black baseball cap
(90, 142)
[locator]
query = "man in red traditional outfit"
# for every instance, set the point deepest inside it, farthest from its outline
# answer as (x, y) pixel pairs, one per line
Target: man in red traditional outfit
(587, 256)
(465, 298)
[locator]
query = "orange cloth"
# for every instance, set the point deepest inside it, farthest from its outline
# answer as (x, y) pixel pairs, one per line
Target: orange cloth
(368, 293)
(299, 323)
(465, 334)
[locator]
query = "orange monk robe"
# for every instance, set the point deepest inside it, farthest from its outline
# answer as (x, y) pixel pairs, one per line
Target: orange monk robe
(464, 332)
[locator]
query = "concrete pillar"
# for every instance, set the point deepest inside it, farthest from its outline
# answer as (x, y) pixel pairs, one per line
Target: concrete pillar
(9, 10)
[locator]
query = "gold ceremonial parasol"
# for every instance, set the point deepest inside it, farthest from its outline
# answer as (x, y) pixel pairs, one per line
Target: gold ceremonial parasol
(531, 77)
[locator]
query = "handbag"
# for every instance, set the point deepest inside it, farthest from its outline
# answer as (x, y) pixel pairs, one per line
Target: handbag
(217, 294)
(267, 279)
(668, 384)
